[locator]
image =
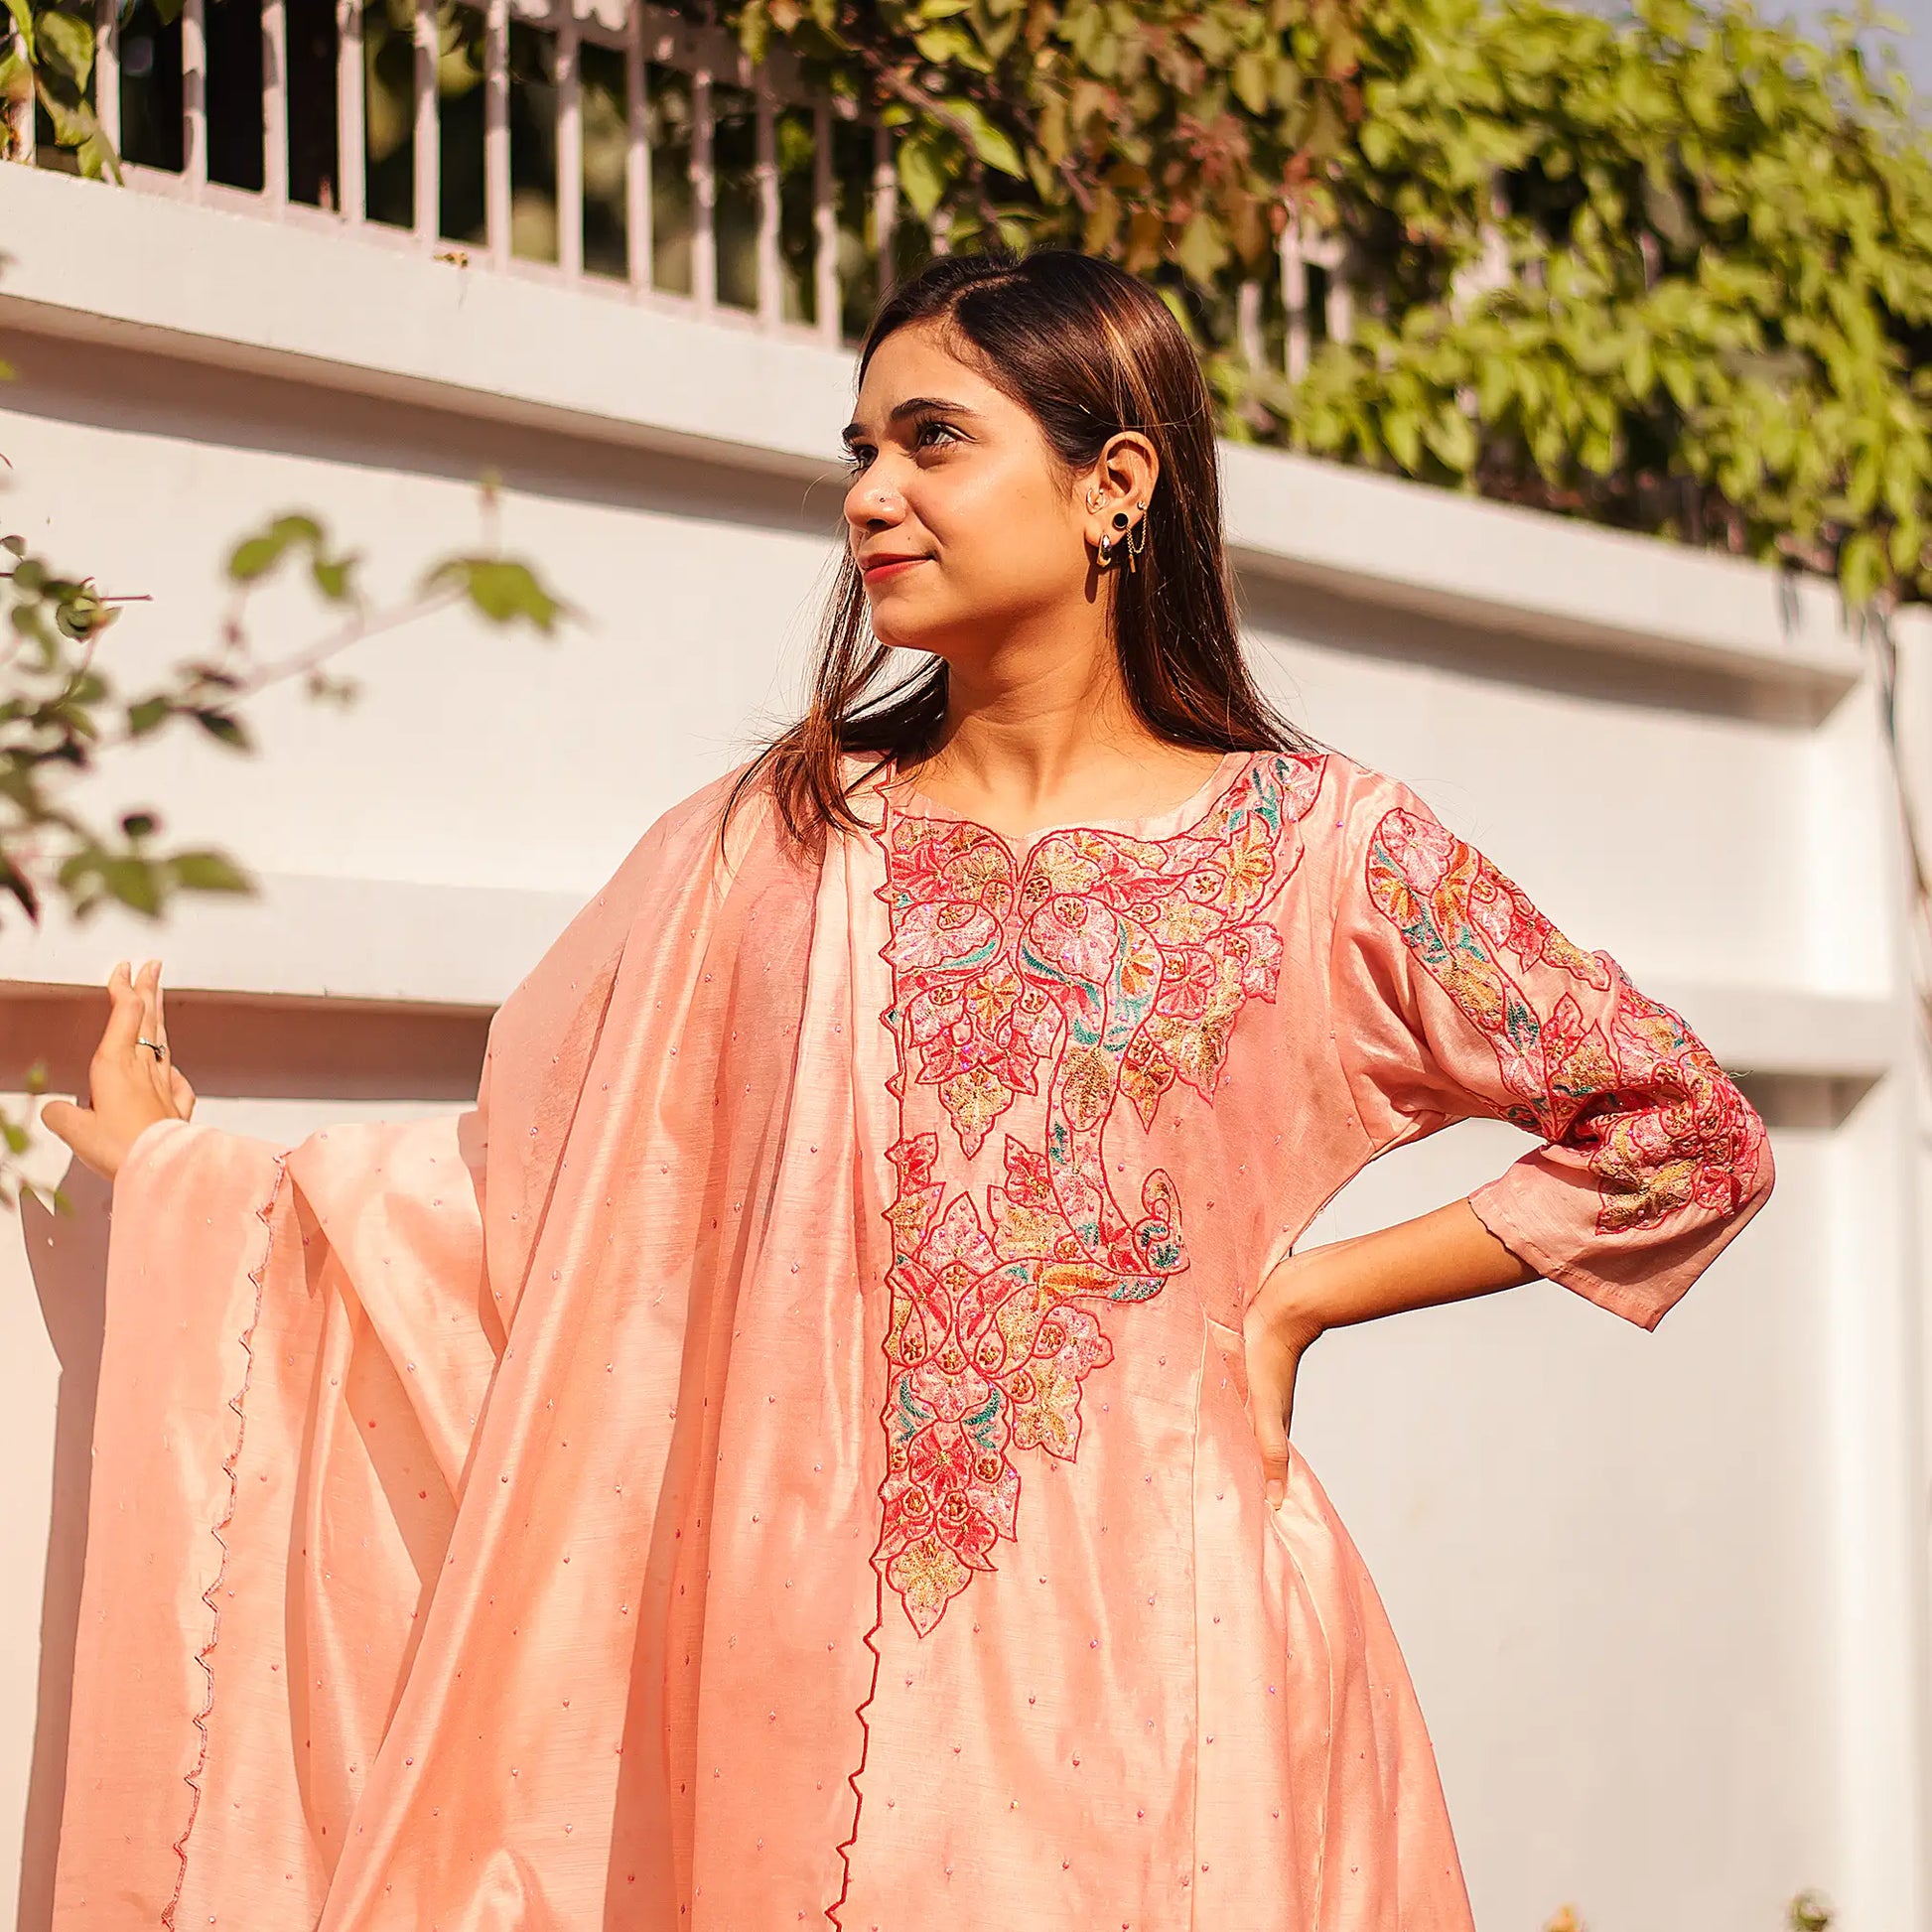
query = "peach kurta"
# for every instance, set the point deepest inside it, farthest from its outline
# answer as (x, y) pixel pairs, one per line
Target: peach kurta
(782, 1457)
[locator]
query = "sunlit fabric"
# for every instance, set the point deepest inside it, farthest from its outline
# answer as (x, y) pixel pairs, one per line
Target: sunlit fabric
(782, 1457)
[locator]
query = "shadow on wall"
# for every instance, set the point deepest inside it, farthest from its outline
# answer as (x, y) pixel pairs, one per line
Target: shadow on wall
(131, 391)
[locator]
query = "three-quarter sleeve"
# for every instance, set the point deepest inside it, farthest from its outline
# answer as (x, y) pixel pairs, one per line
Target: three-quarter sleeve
(1454, 996)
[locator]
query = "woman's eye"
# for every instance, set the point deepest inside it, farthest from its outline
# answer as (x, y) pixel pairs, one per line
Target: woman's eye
(931, 434)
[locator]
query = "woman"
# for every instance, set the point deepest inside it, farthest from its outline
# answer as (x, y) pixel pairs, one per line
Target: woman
(811, 1445)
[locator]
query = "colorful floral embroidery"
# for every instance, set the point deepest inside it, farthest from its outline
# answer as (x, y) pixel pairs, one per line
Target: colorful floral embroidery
(1101, 965)
(1661, 1125)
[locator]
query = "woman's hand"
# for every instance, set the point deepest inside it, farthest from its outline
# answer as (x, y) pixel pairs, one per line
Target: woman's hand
(1446, 1255)
(1278, 1325)
(129, 1085)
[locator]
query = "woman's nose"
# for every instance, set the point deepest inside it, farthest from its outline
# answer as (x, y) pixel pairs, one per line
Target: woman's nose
(872, 501)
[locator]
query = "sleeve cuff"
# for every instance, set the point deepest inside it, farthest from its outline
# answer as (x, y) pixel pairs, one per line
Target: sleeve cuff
(152, 1137)
(1500, 1208)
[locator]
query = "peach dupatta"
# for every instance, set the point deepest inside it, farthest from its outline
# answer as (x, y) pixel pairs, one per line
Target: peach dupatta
(401, 1429)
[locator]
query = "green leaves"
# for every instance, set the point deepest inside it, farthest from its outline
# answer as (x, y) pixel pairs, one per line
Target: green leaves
(993, 144)
(207, 871)
(60, 710)
(256, 557)
(1719, 245)
(923, 171)
(97, 875)
(51, 63)
(23, 20)
(64, 45)
(1715, 235)
(501, 590)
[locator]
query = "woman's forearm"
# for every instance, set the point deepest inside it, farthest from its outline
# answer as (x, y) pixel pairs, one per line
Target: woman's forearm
(1446, 1255)
(1443, 1255)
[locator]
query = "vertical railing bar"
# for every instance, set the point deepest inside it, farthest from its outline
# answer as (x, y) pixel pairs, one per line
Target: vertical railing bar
(570, 144)
(637, 159)
(107, 71)
(1340, 304)
(1247, 323)
(1295, 300)
(825, 230)
(349, 137)
(275, 105)
(703, 194)
(428, 183)
(193, 95)
(885, 204)
(770, 261)
(496, 131)
(19, 116)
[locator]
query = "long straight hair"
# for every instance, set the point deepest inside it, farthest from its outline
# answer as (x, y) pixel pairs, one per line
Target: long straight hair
(1087, 351)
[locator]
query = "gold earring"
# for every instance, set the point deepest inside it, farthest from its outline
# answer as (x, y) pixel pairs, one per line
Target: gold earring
(1133, 549)
(1106, 552)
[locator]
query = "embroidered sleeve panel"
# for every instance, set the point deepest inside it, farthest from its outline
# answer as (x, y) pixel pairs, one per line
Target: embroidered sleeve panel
(1582, 1056)
(1095, 966)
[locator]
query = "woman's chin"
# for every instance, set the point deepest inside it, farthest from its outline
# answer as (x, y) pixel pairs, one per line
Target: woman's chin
(902, 630)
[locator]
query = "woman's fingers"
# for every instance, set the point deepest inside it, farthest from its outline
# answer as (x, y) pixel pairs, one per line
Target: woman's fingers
(1271, 1403)
(129, 1086)
(62, 1117)
(82, 1129)
(152, 1064)
(123, 1029)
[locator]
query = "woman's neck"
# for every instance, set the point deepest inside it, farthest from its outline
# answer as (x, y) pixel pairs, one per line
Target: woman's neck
(1064, 744)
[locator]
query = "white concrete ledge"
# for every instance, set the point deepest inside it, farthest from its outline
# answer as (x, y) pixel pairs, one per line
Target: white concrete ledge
(310, 303)
(1490, 565)
(441, 947)
(310, 937)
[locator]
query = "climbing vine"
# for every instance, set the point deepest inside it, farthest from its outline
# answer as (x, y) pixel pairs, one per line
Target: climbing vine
(1669, 270)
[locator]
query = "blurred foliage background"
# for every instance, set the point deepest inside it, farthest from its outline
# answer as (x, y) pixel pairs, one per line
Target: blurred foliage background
(1667, 268)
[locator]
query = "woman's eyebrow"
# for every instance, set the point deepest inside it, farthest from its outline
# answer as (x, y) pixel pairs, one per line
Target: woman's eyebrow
(912, 407)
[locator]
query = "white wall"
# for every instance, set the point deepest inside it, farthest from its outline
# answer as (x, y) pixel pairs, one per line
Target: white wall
(1663, 1594)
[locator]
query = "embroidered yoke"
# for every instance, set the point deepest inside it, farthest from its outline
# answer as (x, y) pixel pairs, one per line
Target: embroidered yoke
(782, 1457)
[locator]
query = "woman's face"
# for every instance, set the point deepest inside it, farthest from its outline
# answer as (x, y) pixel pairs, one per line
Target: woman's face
(964, 525)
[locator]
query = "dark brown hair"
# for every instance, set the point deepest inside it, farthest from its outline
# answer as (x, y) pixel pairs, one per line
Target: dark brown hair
(1088, 350)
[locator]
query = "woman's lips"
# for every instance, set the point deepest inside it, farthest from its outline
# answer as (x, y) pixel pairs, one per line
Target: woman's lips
(889, 567)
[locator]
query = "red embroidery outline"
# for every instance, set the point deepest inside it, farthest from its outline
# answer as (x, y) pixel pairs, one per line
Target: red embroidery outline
(852, 1777)
(232, 1468)
(1114, 964)
(1635, 1091)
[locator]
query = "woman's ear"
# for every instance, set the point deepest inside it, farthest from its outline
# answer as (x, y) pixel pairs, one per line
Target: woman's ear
(1120, 484)
(1127, 470)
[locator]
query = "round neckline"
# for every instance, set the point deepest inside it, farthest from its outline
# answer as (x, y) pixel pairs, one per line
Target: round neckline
(1170, 822)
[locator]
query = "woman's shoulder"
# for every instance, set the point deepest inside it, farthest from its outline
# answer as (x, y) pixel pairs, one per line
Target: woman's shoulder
(1340, 797)
(692, 829)
(675, 856)
(708, 804)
